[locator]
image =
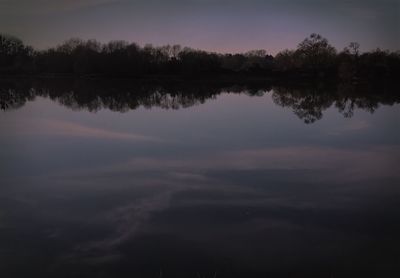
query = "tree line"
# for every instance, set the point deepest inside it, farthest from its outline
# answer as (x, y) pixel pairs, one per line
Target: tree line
(314, 56)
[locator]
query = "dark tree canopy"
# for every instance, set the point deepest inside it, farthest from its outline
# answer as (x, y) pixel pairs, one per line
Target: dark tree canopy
(14, 55)
(313, 57)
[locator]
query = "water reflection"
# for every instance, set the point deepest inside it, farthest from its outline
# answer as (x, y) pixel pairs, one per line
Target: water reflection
(308, 101)
(234, 187)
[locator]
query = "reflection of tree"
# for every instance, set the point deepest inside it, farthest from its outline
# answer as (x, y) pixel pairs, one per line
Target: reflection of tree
(307, 101)
(307, 104)
(130, 98)
(14, 95)
(93, 95)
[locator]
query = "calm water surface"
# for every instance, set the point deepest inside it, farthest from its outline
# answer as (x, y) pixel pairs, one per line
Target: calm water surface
(233, 185)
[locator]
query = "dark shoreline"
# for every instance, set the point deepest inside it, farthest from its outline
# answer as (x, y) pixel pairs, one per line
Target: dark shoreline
(220, 80)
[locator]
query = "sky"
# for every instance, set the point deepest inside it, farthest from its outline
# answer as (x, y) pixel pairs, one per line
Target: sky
(212, 25)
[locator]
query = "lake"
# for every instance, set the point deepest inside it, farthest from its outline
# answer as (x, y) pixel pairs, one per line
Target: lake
(198, 179)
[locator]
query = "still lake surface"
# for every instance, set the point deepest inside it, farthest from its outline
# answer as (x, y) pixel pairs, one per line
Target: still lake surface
(234, 183)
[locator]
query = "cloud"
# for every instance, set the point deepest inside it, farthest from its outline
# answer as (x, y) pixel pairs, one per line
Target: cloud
(343, 165)
(49, 6)
(128, 219)
(352, 126)
(70, 129)
(352, 164)
(328, 163)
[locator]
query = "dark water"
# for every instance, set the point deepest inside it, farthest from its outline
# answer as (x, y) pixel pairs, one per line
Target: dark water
(198, 180)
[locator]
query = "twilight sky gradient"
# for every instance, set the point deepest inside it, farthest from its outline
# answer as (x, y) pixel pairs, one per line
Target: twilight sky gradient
(219, 25)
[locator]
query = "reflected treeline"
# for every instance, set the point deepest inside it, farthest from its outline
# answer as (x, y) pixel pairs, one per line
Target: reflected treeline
(119, 95)
(307, 100)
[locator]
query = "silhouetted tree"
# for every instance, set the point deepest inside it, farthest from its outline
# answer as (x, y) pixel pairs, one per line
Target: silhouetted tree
(14, 55)
(316, 54)
(287, 61)
(314, 57)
